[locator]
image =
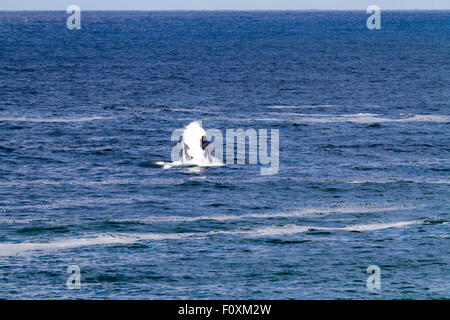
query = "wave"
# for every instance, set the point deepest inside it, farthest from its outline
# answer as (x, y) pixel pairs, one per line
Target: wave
(396, 180)
(25, 221)
(177, 181)
(303, 106)
(293, 229)
(380, 226)
(46, 120)
(87, 183)
(353, 180)
(70, 203)
(366, 118)
(185, 110)
(291, 214)
(302, 212)
(9, 249)
(12, 249)
(371, 118)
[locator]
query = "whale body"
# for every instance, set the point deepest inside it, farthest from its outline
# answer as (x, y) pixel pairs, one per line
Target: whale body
(195, 146)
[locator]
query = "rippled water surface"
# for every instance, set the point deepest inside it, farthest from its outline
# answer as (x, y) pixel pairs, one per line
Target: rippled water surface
(87, 115)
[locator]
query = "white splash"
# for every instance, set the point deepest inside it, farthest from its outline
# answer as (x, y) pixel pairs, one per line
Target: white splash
(193, 150)
(196, 150)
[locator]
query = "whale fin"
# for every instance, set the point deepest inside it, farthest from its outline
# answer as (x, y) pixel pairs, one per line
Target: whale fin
(185, 152)
(204, 143)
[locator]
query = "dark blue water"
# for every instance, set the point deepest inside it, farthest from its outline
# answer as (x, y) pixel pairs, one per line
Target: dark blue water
(363, 116)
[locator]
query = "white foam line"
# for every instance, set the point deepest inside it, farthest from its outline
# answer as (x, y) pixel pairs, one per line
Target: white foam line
(45, 120)
(11, 249)
(395, 180)
(303, 106)
(369, 118)
(291, 214)
(185, 110)
(14, 221)
(325, 116)
(293, 229)
(87, 183)
(70, 203)
(8, 249)
(380, 226)
(175, 181)
(357, 118)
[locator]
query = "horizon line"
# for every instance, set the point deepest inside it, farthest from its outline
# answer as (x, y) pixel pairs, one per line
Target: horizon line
(233, 10)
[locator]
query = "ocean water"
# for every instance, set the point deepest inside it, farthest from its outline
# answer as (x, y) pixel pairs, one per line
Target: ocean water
(86, 117)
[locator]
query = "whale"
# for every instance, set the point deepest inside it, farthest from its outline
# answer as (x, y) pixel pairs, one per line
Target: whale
(193, 150)
(195, 146)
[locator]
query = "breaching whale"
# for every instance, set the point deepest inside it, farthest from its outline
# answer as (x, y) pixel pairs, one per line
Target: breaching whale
(195, 146)
(194, 150)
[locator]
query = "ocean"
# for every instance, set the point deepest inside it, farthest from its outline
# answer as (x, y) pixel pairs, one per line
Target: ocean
(86, 118)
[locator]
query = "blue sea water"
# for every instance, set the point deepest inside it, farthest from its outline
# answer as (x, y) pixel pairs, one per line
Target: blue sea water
(86, 116)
